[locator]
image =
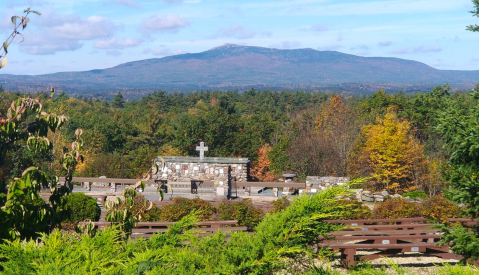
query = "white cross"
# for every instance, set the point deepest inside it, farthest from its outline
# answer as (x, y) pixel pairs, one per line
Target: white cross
(202, 148)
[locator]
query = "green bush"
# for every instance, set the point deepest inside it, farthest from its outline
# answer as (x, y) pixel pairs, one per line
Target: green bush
(438, 209)
(280, 204)
(243, 211)
(183, 206)
(79, 207)
(415, 194)
(395, 208)
(152, 215)
(356, 210)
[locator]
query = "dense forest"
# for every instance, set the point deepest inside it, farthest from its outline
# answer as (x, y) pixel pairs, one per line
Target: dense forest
(393, 139)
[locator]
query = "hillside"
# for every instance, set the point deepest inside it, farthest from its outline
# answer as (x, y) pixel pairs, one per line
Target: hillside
(240, 67)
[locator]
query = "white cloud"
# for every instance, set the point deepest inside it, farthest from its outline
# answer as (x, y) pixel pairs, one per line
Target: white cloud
(418, 49)
(38, 45)
(163, 23)
(171, 1)
(114, 43)
(65, 32)
(236, 31)
(77, 28)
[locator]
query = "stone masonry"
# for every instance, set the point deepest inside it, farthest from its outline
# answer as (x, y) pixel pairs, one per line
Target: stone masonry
(184, 169)
(315, 184)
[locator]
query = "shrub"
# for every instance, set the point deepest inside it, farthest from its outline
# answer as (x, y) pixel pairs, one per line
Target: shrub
(79, 207)
(243, 211)
(356, 210)
(396, 208)
(283, 243)
(183, 206)
(280, 204)
(415, 194)
(153, 215)
(438, 209)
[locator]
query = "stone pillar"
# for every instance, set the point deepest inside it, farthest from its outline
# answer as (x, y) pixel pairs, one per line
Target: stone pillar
(86, 186)
(220, 189)
(113, 187)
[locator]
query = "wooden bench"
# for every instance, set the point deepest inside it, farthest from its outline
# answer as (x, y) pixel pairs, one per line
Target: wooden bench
(379, 221)
(397, 236)
(349, 257)
(390, 226)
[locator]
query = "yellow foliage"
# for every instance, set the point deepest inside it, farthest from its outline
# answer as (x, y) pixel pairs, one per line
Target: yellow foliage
(394, 157)
(168, 150)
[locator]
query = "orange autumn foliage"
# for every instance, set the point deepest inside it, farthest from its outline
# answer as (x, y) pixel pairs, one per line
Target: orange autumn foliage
(260, 168)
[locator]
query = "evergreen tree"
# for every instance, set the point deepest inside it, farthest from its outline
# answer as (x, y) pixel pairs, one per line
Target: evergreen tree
(118, 101)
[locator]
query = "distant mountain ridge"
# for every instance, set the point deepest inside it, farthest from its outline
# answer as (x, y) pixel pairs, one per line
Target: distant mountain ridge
(241, 67)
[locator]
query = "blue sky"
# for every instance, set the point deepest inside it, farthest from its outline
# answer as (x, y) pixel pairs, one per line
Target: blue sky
(79, 35)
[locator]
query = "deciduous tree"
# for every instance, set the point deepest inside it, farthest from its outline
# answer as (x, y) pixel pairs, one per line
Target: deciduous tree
(390, 155)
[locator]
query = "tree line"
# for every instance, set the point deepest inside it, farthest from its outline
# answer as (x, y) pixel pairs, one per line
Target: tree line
(394, 139)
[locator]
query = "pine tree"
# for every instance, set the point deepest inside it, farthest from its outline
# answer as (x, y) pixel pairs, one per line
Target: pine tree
(118, 101)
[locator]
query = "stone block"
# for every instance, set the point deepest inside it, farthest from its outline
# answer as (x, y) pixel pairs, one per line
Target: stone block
(378, 198)
(367, 198)
(220, 191)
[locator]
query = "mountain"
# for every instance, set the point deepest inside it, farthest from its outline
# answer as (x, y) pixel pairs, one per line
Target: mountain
(242, 67)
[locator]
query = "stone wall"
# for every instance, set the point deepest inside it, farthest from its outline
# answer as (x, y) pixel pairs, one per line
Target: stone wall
(184, 169)
(315, 183)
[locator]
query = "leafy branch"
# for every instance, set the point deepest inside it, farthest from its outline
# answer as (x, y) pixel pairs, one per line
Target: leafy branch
(474, 28)
(18, 21)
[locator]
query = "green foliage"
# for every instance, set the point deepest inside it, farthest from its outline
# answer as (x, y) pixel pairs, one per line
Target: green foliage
(128, 212)
(282, 243)
(242, 211)
(356, 210)
(280, 204)
(460, 128)
(475, 12)
(24, 214)
(79, 207)
(464, 241)
(448, 269)
(183, 206)
(153, 215)
(396, 208)
(438, 209)
(118, 101)
(415, 194)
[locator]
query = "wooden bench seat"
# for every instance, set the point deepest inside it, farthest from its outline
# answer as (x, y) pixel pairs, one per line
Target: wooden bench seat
(376, 221)
(390, 226)
(384, 232)
(385, 239)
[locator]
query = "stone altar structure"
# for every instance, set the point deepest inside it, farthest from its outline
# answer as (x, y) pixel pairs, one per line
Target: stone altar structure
(185, 169)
